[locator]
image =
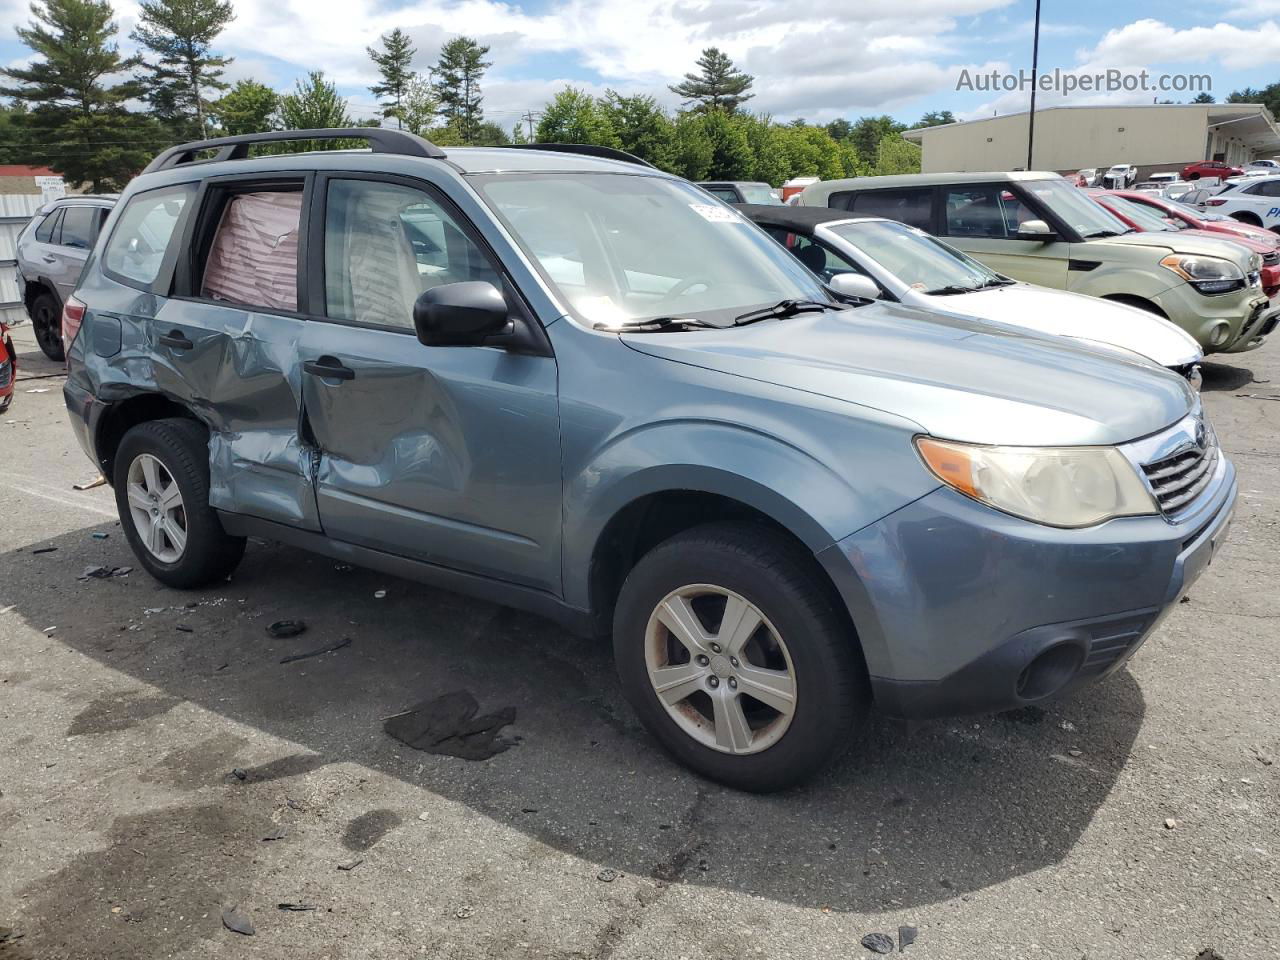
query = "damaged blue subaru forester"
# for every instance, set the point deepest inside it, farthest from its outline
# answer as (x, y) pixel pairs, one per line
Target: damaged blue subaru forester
(562, 380)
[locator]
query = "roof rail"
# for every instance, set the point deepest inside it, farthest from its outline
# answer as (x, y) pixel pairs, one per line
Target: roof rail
(237, 148)
(586, 149)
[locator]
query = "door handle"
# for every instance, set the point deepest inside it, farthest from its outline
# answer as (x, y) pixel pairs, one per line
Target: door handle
(48, 259)
(328, 368)
(176, 339)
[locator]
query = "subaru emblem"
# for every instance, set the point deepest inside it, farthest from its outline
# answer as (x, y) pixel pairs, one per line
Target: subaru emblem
(1201, 434)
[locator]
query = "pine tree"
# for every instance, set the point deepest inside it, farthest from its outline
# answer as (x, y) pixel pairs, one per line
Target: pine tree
(457, 84)
(77, 123)
(184, 70)
(718, 84)
(393, 62)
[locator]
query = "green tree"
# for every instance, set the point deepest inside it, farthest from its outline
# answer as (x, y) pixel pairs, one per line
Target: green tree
(935, 118)
(731, 157)
(896, 155)
(718, 84)
(691, 147)
(770, 162)
(574, 116)
(840, 129)
(869, 131)
(394, 63)
(489, 134)
(77, 122)
(183, 70)
(315, 104)
(812, 153)
(457, 83)
(248, 107)
(642, 127)
(1203, 98)
(1268, 96)
(419, 106)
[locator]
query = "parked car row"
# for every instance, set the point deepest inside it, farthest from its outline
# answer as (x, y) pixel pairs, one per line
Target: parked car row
(571, 383)
(1038, 228)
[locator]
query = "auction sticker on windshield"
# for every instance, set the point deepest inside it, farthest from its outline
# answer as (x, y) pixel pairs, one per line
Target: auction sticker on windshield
(709, 211)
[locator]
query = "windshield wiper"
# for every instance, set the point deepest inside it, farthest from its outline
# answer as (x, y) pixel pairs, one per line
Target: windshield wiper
(953, 288)
(783, 309)
(1109, 233)
(656, 325)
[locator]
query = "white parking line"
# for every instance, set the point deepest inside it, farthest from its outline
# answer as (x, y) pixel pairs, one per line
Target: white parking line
(89, 507)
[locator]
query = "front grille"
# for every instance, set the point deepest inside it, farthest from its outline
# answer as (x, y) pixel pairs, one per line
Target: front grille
(1178, 479)
(1113, 640)
(1271, 259)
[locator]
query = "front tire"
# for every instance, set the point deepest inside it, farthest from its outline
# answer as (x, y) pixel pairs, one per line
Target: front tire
(162, 493)
(46, 323)
(733, 653)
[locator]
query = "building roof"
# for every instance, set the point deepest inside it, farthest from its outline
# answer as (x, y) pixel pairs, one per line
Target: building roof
(22, 170)
(1250, 122)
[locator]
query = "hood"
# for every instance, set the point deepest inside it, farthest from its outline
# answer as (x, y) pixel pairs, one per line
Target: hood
(1237, 229)
(957, 378)
(1251, 243)
(1180, 242)
(1074, 315)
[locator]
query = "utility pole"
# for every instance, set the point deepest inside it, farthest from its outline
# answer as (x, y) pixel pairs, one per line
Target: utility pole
(1035, 64)
(528, 119)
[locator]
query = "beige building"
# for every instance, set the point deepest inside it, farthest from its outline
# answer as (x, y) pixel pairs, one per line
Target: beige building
(1150, 136)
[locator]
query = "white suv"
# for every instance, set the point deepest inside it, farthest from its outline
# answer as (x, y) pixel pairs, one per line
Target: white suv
(1254, 200)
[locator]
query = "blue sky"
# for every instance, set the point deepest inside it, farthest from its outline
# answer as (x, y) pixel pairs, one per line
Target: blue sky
(837, 58)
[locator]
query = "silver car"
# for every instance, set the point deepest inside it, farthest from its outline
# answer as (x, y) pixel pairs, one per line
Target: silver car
(52, 249)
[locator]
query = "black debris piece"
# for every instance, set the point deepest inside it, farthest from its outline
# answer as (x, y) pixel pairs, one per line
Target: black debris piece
(351, 865)
(277, 834)
(8, 935)
(100, 536)
(528, 809)
(448, 725)
(1186, 599)
(906, 937)
(237, 921)
(239, 774)
(1208, 953)
(296, 907)
(286, 628)
(103, 573)
(183, 628)
(44, 549)
(344, 642)
(878, 942)
(607, 875)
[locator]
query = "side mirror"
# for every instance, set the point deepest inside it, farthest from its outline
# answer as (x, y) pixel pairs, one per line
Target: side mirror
(854, 285)
(460, 314)
(1036, 230)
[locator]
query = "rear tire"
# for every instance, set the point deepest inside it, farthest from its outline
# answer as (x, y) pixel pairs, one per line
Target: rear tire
(162, 493)
(708, 718)
(46, 323)
(1248, 218)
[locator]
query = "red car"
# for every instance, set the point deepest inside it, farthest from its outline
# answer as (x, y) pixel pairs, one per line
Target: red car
(1193, 218)
(8, 368)
(1210, 168)
(1146, 219)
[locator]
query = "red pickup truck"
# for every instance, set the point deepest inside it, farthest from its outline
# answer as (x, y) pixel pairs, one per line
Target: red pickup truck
(1210, 168)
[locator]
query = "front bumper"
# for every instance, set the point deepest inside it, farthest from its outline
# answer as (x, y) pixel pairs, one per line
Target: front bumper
(955, 603)
(1261, 322)
(1202, 316)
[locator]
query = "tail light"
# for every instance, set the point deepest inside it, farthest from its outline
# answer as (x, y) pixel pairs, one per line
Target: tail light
(72, 317)
(1214, 202)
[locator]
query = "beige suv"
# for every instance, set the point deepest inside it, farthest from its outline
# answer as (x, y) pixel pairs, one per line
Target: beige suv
(1038, 228)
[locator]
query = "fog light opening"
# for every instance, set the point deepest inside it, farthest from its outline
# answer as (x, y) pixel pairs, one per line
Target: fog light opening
(1050, 671)
(1218, 336)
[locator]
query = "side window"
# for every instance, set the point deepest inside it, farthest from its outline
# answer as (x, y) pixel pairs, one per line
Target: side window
(48, 229)
(988, 210)
(77, 228)
(136, 250)
(1269, 189)
(820, 259)
(384, 244)
(913, 207)
(253, 258)
(724, 193)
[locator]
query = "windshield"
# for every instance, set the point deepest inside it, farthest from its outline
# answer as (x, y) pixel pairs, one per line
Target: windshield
(914, 257)
(1147, 219)
(1076, 208)
(622, 248)
(759, 193)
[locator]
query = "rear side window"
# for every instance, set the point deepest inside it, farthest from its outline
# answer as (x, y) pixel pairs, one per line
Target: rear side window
(136, 252)
(78, 227)
(253, 259)
(49, 227)
(727, 194)
(384, 244)
(913, 207)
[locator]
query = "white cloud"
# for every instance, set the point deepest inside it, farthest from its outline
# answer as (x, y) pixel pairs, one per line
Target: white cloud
(1253, 10)
(1151, 41)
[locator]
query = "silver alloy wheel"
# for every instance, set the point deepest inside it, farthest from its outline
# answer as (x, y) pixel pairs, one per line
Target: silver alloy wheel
(155, 503)
(732, 686)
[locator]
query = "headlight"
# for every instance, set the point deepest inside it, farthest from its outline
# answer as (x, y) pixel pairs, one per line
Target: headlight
(1206, 274)
(1057, 486)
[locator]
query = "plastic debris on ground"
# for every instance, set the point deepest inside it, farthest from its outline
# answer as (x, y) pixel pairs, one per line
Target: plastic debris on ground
(96, 572)
(878, 942)
(286, 628)
(448, 725)
(235, 920)
(906, 937)
(97, 481)
(344, 642)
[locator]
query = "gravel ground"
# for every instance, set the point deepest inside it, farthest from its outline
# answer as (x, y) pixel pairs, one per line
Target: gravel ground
(1136, 820)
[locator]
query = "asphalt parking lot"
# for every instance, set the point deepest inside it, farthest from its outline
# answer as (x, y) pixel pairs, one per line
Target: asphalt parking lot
(159, 764)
